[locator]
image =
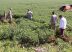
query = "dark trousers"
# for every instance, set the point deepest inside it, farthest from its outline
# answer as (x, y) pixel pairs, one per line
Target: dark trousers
(62, 31)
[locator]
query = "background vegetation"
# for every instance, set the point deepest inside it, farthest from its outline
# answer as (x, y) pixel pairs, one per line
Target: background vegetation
(33, 32)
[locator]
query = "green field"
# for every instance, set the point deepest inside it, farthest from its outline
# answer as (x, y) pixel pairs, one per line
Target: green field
(32, 30)
(41, 8)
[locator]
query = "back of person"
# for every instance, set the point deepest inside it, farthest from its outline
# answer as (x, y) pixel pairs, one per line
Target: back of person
(9, 15)
(63, 23)
(29, 14)
(54, 19)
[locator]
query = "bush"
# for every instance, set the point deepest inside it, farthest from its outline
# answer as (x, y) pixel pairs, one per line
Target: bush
(28, 32)
(7, 34)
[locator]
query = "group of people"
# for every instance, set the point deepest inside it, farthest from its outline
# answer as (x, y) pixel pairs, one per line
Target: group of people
(53, 21)
(8, 16)
(62, 25)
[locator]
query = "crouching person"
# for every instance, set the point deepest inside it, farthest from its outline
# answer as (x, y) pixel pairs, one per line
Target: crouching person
(29, 14)
(63, 23)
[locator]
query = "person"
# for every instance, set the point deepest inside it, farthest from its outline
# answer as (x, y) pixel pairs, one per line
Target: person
(9, 15)
(63, 23)
(29, 14)
(53, 20)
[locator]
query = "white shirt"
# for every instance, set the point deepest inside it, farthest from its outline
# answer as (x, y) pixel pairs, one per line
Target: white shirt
(63, 23)
(29, 14)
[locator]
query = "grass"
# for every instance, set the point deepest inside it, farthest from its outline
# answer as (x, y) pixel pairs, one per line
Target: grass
(32, 28)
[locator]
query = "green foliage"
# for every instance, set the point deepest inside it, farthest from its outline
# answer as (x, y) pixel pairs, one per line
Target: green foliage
(35, 31)
(26, 32)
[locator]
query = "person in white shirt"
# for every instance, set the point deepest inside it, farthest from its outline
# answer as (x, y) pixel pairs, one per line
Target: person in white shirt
(63, 23)
(53, 20)
(29, 14)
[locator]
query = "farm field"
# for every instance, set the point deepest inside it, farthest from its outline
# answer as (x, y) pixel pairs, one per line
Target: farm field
(31, 33)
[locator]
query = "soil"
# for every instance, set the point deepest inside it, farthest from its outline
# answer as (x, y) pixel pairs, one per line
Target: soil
(65, 38)
(51, 38)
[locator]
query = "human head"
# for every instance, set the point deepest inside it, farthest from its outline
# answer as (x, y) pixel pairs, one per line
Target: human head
(10, 8)
(53, 12)
(28, 9)
(60, 16)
